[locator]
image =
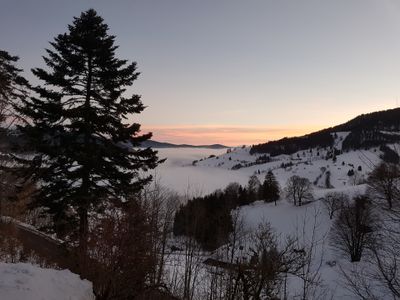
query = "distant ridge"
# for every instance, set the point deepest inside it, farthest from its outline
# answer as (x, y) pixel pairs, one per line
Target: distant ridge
(156, 144)
(365, 131)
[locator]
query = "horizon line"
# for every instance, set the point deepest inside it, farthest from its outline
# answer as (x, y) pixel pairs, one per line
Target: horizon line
(228, 135)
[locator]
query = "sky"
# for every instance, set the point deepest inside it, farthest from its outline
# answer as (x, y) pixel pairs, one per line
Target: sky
(233, 71)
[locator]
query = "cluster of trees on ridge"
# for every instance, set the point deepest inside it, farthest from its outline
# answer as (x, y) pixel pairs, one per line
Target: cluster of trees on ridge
(365, 131)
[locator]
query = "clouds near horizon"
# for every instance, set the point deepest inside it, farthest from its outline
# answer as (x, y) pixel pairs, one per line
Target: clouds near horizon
(219, 134)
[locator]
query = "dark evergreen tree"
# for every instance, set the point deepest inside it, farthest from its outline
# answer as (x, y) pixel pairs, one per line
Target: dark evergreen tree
(13, 87)
(243, 198)
(270, 188)
(350, 172)
(208, 219)
(88, 152)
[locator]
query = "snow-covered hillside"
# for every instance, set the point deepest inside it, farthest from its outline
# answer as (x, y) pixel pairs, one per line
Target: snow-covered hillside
(329, 172)
(205, 170)
(24, 281)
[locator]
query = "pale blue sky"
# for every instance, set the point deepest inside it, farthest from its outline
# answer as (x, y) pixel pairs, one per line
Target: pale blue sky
(266, 68)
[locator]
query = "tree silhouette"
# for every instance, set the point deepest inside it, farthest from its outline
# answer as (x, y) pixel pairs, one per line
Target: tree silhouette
(270, 188)
(13, 87)
(88, 151)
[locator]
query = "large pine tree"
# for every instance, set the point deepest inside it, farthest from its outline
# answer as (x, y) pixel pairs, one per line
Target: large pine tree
(88, 152)
(270, 188)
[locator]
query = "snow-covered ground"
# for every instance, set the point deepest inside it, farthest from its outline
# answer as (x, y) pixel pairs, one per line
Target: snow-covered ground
(200, 171)
(212, 170)
(23, 281)
(288, 220)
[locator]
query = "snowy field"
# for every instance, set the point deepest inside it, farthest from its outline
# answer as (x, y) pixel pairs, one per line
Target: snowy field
(24, 281)
(213, 170)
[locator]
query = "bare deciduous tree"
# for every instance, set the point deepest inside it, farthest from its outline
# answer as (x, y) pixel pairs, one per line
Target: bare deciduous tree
(380, 276)
(384, 184)
(162, 204)
(334, 201)
(298, 190)
(270, 261)
(354, 228)
(358, 282)
(192, 265)
(310, 242)
(387, 260)
(121, 252)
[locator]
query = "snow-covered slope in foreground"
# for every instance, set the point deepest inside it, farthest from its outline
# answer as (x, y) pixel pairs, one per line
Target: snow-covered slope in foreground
(307, 223)
(24, 281)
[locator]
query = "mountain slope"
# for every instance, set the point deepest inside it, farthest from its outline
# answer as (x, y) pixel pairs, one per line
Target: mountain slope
(367, 130)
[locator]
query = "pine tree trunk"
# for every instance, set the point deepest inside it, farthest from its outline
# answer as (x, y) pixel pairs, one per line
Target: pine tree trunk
(83, 211)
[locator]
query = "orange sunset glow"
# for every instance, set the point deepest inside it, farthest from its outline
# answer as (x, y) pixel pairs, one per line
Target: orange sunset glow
(227, 135)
